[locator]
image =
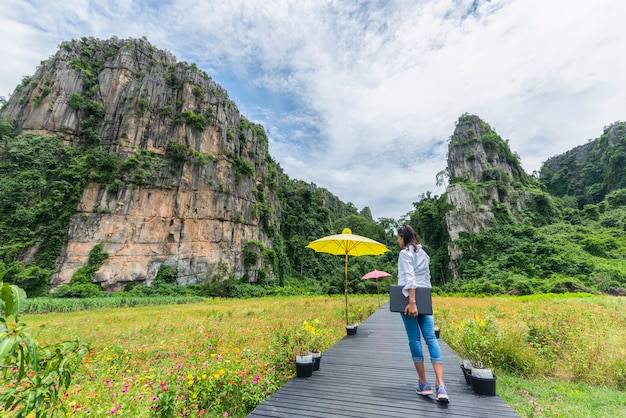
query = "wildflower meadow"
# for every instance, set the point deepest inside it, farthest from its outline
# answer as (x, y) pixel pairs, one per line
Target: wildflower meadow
(217, 358)
(555, 355)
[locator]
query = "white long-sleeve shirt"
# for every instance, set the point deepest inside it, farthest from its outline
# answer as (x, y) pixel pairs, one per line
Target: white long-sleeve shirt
(413, 269)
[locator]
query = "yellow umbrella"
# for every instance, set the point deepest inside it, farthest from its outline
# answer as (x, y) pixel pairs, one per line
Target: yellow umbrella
(347, 244)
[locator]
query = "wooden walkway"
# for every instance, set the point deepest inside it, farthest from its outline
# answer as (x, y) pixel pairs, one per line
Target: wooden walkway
(371, 374)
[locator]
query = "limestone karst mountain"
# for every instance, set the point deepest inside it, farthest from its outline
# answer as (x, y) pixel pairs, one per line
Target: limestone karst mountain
(195, 186)
(486, 180)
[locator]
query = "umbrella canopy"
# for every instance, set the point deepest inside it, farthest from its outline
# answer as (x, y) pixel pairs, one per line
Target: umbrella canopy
(347, 244)
(376, 274)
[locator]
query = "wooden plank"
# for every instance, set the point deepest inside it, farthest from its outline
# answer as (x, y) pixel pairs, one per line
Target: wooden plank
(371, 374)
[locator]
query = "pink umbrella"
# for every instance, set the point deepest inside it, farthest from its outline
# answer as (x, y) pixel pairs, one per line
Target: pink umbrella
(376, 274)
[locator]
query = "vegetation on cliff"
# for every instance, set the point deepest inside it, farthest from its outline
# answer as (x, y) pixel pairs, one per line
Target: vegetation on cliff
(586, 174)
(535, 242)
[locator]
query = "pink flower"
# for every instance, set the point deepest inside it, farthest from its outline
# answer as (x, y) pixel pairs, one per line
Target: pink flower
(225, 414)
(115, 409)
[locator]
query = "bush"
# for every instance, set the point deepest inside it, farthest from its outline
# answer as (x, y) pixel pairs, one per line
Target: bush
(480, 340)
(617, 198)
(33, 279)
(599, 246)
(85, 275)
(166, 275)
(79, 290)
(565, 285)
(36, 374)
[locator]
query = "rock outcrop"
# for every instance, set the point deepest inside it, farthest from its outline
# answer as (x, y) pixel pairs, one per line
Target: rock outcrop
(197, 176)
(485, 179)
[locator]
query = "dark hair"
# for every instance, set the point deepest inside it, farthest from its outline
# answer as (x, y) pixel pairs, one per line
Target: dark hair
(409, 236)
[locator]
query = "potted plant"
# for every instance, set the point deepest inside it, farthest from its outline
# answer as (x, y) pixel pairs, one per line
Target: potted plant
(475, 341)
(351, 329)
(310, 340)
(304, 365)
(483, 382)
(466, 367)
(316, 339)
(304, 360)
(482, 378)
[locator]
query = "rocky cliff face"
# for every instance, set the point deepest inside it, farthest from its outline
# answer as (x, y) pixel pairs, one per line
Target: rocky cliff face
(485, 180)
(196, 176)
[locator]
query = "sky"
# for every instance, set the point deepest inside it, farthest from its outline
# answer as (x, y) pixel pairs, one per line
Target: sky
(361, 97)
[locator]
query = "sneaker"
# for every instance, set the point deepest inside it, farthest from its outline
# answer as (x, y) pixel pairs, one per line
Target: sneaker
(442, 394)
(423, 389)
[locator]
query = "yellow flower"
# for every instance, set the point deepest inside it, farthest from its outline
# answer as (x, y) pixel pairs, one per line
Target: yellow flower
(216, 375)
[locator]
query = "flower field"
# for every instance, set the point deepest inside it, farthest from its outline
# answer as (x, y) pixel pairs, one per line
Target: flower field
(216, 358)
(569, 338)
(221, 358)
(555, 355)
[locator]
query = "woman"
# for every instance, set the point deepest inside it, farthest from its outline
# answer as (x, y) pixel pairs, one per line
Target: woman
(413, 271)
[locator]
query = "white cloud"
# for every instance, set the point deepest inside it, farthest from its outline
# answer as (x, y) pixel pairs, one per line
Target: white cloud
(361, 97)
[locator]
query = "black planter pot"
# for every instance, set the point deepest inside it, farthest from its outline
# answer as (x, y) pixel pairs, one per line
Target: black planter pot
(351, 329)
(467, 373)
(484, 385)
(437, 332)
(304, 369)
(317, 358)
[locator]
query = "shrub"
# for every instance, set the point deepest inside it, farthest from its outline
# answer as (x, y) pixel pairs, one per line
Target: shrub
(481, 341)
(599, 246)
(33, 279)
(617, 198)
(79, 290)
(559, 284)
(36, 374)
(166, 275)
(75, 102)
(81, 286)
(196, 120)
(243, 167)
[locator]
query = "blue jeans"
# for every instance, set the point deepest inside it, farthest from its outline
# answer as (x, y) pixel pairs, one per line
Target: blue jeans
(425, 324)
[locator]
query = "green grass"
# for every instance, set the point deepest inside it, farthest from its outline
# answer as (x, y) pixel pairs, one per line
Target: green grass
(539, 397)
(50, 305)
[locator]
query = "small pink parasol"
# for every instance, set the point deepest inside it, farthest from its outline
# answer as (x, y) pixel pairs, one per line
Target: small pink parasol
(376, 274)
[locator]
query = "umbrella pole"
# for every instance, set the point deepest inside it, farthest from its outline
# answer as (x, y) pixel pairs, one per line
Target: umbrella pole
(346, 288)
(378, 290)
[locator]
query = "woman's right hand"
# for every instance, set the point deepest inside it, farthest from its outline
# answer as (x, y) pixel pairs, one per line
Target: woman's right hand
(411, 309)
